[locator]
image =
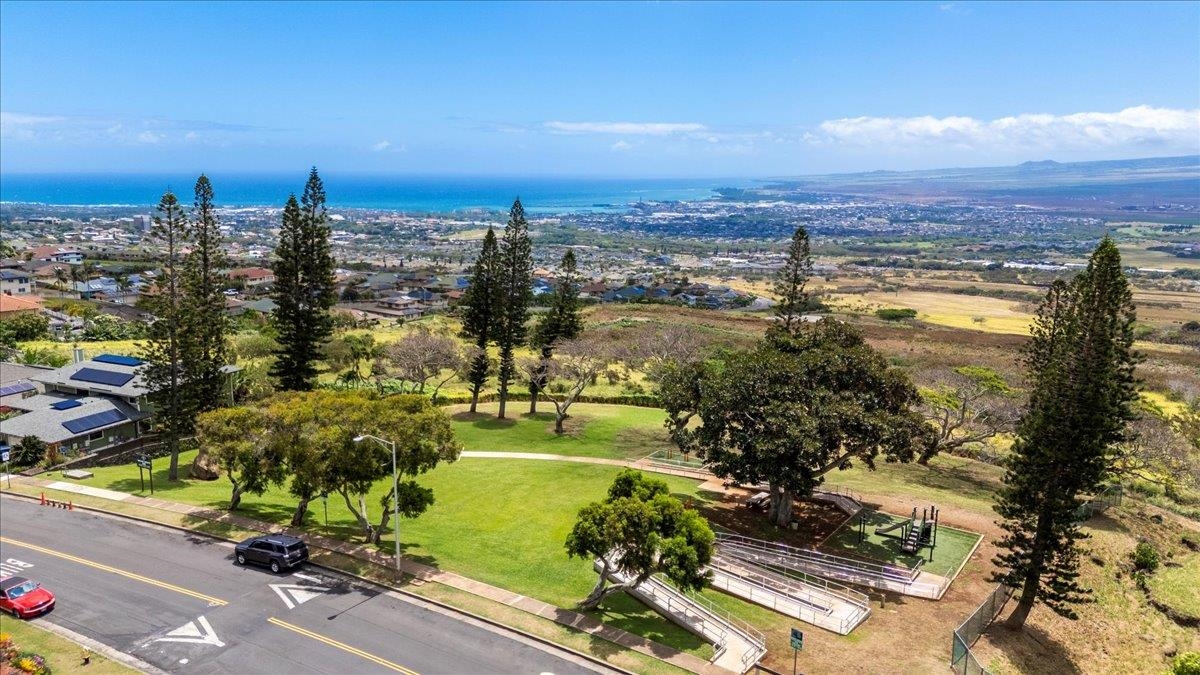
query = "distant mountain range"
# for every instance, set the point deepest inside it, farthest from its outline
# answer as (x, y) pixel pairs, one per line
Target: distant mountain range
(1121, 183)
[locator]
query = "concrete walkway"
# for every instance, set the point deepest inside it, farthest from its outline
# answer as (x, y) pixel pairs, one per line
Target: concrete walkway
(641, 464)
(424, 573)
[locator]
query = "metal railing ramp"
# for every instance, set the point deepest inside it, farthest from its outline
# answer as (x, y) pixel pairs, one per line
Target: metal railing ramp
(739, 645)
(810, 599)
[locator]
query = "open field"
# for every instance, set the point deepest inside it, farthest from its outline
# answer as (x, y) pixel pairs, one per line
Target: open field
(979, 313)
(62, 655)
(592, 430)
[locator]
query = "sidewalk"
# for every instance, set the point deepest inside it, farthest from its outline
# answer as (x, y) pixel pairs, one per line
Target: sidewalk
(424, 573)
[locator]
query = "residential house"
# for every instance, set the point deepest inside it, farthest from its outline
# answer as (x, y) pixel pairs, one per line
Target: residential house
(252, 277)
(15, 282)
(58, 254)
(13, 305)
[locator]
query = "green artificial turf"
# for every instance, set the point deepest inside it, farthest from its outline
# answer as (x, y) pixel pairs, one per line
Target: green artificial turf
(953, 546)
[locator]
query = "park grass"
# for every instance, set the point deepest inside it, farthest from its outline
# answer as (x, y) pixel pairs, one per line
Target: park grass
(61, 654)
(1178, 587)
(503, 523)
(946, 481)
(953, 546)
(592, 430)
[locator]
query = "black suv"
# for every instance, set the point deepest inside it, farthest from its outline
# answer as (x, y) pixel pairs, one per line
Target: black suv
(277, 551)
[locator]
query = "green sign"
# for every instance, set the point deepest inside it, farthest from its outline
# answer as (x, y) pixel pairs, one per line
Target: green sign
(797, 639)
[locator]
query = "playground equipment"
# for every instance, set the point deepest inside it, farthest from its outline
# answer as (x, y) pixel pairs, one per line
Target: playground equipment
(883, 576)
(914, 534)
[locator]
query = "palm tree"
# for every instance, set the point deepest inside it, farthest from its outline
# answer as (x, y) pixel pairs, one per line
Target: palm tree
(77, 275)
(60, 280)
(121, 279)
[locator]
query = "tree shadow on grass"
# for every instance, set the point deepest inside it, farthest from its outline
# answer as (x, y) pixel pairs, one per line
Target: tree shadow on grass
(621, 610)
(1031, 649)
(484, 420)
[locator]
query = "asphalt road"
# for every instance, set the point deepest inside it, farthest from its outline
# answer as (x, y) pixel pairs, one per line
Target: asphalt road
(178, 602)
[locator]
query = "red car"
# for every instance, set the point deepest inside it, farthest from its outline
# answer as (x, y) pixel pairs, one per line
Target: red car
(24, 598)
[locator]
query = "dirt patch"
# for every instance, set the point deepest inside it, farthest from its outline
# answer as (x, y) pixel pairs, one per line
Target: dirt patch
(817, 520)
(573, 425)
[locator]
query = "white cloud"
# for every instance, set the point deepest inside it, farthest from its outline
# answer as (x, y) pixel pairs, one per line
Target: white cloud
(621, 146)
(625, 128)
(381, 146)
(1140, 126)
(150, 137)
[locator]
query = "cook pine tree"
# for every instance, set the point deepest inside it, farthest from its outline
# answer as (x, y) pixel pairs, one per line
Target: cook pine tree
(205, 320)
(792, 298)
(516, 278)
(1081, 364)
(562, 322)
(481, 308)
(165, 374)
(304, 288)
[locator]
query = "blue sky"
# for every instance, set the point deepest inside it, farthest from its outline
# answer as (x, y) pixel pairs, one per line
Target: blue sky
(658, 89)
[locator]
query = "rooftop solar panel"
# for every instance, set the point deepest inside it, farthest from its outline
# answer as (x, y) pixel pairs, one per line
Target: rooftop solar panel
(94, 421)
(119, 360)
(18, 388)
(67, 404)
(97, 376)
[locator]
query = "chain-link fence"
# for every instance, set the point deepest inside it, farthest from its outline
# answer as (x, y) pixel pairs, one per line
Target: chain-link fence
(962, 661)
(1110, 496)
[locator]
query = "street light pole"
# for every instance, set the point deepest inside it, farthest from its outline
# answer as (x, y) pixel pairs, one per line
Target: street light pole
(391, 445)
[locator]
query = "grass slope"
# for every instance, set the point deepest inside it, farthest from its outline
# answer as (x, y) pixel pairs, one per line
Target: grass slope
(592, 430)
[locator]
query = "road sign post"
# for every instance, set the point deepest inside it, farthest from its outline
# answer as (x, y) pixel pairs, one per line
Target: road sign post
(797, 646)
(145, 463)
(325, 504)
(7, 469)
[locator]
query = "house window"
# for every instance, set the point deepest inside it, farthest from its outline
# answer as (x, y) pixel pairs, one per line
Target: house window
(95, 436)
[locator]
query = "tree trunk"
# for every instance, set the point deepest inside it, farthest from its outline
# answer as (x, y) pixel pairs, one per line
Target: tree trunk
(235, 500)
(301, 510)
(601, 590)
(503, 400)
(1016, 620)
(533, 394)
(558, 422)
(781, 506)
(475, 396)
(173, 472)
(370, 534)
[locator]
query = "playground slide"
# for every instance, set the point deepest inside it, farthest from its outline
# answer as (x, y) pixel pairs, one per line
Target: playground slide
(829, 606)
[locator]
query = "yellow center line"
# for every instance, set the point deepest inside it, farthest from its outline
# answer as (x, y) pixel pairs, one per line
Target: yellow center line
(342, 646)
(128, 575)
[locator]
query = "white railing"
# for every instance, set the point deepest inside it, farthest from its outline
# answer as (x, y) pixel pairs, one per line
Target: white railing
(889, 571)
(698, 614)
(782, 588)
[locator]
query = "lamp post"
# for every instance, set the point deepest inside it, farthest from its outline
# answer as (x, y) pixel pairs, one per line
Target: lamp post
(391, 445)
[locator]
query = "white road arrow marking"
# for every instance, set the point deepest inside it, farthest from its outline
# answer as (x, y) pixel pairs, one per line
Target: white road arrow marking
(293, 595)
(198, 632)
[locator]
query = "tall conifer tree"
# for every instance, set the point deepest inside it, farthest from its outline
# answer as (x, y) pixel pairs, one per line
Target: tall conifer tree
(165, 373)
(1081, 365)
(481, 304)
(205, 319)
(789, 290)
(516, 278)
(562, 322)
(304, 287)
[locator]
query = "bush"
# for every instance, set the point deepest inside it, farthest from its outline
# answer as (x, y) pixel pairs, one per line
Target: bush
(28, 452)
(27, 327)
(1187, 663)
(896, 314)
(1145, 557)
(52, 457)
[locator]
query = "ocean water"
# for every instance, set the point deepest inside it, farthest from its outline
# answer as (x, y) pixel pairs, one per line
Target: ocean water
(400, 193)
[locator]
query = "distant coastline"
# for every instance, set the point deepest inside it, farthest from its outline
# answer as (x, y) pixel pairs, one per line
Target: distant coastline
(391, 193)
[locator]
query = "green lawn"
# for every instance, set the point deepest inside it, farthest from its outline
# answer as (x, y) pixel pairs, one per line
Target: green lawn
(592, 430)
(953, 546)
(62, 655)
(1178, 587)
(503, 523)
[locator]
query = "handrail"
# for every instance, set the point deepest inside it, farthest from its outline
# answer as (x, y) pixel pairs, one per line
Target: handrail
(892, 571)
(791, 589)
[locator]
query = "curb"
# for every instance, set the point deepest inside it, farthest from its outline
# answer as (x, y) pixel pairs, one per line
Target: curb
(407, 594)
(112, 654)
